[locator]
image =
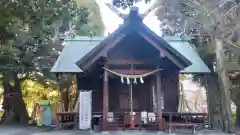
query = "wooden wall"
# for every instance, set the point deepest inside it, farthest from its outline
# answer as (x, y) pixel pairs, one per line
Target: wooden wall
(119, 96)
(95, 84)
(170, 88)
(142, 93)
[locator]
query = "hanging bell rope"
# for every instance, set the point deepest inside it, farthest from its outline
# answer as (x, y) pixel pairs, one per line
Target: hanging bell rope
(131, 76)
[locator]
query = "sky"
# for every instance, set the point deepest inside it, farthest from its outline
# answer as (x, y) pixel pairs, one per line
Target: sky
(112, 21)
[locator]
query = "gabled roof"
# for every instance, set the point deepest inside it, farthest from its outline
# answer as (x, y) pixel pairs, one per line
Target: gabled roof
(134, 23)
(74, 49)
(188, 51)
(79, 46)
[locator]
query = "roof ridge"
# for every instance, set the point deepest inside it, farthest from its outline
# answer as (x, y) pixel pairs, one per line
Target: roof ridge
(99, 38)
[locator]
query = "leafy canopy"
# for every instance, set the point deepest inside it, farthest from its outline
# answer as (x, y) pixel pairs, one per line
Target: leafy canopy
(30, 30)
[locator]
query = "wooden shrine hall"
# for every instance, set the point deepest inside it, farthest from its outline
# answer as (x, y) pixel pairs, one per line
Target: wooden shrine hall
(131, 73)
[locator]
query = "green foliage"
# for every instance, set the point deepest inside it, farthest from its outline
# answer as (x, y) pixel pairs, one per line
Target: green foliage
(203, 20)
(234, 117)
(29, 40)
(35, 28)
(32, 92)
(182, 77)
(29, 35)
(95, 24)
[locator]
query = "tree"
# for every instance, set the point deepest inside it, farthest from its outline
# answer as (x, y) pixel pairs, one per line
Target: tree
(215, 24)
(32, 27)
(95, 26)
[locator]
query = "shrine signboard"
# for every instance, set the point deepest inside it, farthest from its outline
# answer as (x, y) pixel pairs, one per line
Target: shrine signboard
(85, 110)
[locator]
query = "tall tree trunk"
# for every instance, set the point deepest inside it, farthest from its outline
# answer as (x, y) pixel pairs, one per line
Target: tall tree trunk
(238, 116)
(214, 102)
(13, 103)
(223, 80)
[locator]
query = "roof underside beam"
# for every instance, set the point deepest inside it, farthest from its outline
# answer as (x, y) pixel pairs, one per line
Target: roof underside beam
(103, 52)
(165, 53)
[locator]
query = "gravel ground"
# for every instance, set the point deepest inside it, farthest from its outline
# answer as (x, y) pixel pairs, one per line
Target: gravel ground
(37, 131)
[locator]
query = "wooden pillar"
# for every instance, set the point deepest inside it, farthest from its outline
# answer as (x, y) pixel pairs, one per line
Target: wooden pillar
(105, 99)
(66, 99)
(153, 94)
(159, 100)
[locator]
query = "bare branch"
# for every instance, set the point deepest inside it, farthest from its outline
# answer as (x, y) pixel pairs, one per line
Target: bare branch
(235, 6)
(115, 10)
(153, 8)
(232, 44)
(233, 29)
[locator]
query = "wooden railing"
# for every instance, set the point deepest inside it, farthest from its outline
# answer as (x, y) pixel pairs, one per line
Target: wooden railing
(67, 120)
(198, 118)
(121, 120)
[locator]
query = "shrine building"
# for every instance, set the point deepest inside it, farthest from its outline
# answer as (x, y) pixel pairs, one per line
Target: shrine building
(131, 70)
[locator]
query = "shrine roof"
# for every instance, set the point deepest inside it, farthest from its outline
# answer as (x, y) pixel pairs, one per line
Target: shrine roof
(133, 23)
(77, 47)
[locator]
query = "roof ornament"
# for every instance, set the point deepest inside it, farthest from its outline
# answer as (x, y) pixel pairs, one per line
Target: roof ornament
(152, 8)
